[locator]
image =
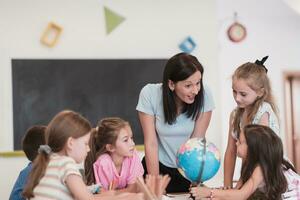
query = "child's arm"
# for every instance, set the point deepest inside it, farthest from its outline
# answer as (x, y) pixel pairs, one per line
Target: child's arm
(80, 192)
(77, 187)
(230, 156)
(264, 120)
(123, 196)
(247, 189)
(239, 184)
(129, 188)
(111, 195)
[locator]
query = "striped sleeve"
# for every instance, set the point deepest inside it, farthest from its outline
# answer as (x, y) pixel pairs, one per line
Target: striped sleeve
(69, 167)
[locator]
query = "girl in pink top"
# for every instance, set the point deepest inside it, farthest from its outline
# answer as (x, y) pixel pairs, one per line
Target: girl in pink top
(113, 161)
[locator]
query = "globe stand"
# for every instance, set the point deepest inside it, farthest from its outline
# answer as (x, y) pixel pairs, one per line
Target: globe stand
(200, 182)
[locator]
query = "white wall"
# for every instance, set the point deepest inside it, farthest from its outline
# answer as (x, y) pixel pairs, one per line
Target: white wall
(10, 169)
(152, 29)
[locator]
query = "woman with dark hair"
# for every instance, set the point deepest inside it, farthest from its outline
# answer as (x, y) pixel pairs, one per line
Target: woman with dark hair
(170, 113)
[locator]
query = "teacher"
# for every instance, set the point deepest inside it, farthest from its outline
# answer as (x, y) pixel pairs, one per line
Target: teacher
(170, 113)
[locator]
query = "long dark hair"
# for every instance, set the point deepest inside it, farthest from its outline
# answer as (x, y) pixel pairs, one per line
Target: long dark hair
(106, 132)
(265, 149)
(64, 125)
(180, 67)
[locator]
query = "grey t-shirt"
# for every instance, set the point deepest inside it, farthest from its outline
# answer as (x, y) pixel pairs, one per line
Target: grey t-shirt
(170, 137)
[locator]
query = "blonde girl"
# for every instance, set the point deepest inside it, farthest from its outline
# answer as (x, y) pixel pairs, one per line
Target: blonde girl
(113, 162)
(55, 174)
(255, 105)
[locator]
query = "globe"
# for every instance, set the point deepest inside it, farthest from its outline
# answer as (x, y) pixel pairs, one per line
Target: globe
(198, 160)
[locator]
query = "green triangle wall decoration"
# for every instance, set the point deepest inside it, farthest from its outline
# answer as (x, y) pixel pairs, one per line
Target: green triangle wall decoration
(112, 20)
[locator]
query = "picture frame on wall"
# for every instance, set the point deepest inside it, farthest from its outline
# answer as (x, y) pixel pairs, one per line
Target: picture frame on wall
(51, 34)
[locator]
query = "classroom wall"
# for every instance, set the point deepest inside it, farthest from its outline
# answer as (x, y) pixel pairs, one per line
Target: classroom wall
(152, 29)
(273, 29)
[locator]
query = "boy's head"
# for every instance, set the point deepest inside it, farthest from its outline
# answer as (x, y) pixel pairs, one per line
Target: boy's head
(34, 137)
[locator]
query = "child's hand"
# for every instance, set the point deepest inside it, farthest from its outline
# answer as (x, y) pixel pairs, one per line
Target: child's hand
(157, 184)
(200, 192)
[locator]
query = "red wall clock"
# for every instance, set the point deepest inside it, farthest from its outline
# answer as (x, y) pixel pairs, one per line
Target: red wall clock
(236, 32)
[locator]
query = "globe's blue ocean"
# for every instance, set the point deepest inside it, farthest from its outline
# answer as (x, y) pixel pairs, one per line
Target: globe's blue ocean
(191, 157)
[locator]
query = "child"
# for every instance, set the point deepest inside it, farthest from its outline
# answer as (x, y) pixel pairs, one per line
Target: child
(34, 137)
(255, 105)
(55, 174)
(113, 157)
(265, 173)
